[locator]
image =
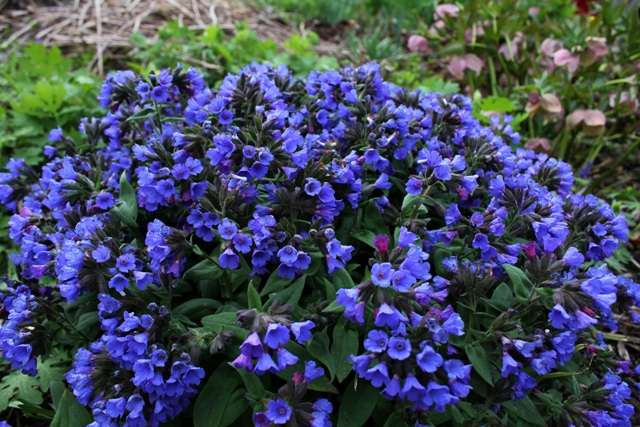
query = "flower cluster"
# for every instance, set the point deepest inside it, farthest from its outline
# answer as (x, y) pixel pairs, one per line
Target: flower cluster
(263, 351)
(19, 330)
(288, 407)
(463, 266)
(126, 377)
(407, 353)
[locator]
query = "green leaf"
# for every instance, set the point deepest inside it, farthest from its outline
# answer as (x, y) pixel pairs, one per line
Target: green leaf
(127, 207)
(342, 279)
(274, 283)
(334, 307)
(395, 420)
(205, 270)
(221, 401)
(502, 296)
(357, 404)
(253, 384)
(291, 294)
(253, 298)
(196, 308)
(519, 280)
(51, 369)
(345, 343)
(478, 357)
(365, 236)
(525, 410)
(20, 387)
(497, 104)
(225, 321)
(70, 413)
(319, 348)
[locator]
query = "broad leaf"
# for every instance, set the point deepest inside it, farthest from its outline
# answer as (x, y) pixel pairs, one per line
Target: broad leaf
(221, 401)
(357, 404)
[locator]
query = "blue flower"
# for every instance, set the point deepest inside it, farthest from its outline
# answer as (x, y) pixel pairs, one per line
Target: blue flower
(399, 348)
(381, 274)
(376, 341)
(278, 411)
(276, 336)
(302, 331)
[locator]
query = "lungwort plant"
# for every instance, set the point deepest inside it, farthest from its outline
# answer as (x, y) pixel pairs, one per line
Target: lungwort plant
(334, 250)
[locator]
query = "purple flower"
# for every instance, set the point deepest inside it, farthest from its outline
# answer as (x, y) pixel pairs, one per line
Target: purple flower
(312, 371)
(376, 341)
(428, 359)
(276, 336)
(101, 254)
(573, 257)
(312, 186)
(389, 316)
(126, 263)
(119, 283)
(105, 200)
(227, 229)
(381, 274)
(399, 348)
(302, 330)
(278, 411)
(229, 260)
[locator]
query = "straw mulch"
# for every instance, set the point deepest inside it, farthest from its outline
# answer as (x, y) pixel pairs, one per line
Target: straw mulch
(106, 25)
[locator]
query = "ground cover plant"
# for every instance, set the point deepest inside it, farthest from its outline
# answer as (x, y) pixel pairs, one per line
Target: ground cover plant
(325, 250)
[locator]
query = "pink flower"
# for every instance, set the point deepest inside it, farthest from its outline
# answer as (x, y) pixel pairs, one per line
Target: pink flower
(381, 242)
(592, 122)
(539, 145)
(564, 58)
(596, 49)
(550, 46)
(418, 44)
(511, 48)
(446, 10)
(458, 64)
(548, 103)
(471, 34)
(623, 100)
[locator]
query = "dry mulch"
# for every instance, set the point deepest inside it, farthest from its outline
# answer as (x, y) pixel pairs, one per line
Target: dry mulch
(106, 25)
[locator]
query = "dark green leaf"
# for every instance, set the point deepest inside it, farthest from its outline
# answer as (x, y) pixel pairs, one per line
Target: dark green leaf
(345, 343)
(70, 413)
(196, 308)
(127, 207)
(253, 298)
(292, 293)
(502, 296)
(357, 404)
(525, 410)
(274, 283)
(221, 401)
(478, 357)
(342, 279)
(519, 280)
(319, 348)
(225, 321)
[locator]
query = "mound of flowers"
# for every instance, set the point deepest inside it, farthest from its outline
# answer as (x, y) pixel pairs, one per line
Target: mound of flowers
(310, 252)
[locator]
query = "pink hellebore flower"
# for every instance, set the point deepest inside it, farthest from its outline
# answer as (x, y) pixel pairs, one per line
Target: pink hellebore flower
(458, 64)
(591, 121)
(539, 145)
(564, 58)
(446, 10)
(511, 48)
(548, 103)
(418, 44)
(550, 46)
(596, 49)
